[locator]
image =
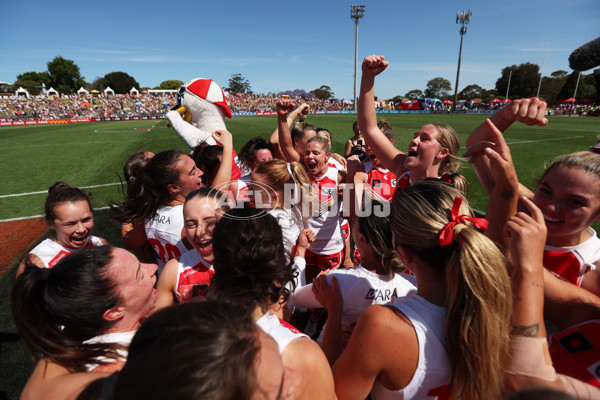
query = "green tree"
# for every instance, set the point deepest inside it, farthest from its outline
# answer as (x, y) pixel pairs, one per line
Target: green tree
(438, 87)
(523, 81)
(31, 86)
(552, 84)
(414, 94)
(568, 89)
(39, 77)
(559, 74)
(323, 93)
(238, 84)
(172, 84)
(471, 92)
(120, 82)
(596, 75)
(64, 75)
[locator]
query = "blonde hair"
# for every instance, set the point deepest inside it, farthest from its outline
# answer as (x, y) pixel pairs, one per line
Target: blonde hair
(448, 139)
(478, 294)
(277, 175)
(321, 140)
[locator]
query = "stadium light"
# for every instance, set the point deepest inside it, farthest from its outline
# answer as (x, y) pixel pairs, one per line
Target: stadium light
(356, 13)
(462, 18)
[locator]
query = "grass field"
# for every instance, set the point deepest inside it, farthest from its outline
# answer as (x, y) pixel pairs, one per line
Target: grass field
(34, 157)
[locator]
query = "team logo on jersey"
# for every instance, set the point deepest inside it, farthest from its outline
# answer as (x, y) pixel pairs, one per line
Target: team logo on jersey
(394, 182)
(575, 343)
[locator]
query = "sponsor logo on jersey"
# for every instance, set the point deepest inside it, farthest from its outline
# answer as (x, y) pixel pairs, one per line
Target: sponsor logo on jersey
(379, 294)
(162, 219)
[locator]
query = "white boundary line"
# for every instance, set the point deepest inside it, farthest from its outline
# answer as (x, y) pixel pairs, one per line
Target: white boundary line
(39, 216)
(45, 191)
(546, 140)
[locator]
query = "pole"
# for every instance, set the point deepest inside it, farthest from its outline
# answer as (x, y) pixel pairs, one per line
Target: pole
(462, 18)
(355, 58)
(462, 35)
(356, 13)
(542, 73)
(508, 87)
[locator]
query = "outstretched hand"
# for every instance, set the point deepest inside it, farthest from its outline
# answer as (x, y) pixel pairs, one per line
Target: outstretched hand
(374, 65)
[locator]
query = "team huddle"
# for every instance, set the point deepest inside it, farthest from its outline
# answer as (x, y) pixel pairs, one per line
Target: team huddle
(286, 271)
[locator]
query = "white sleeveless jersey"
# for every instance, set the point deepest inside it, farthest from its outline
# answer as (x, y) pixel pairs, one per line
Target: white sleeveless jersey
(164, 233)
(282, 332)
(326, 222)
(290, 221)
(432, 376)
(123, 338)
(50, 252)
(193, 276)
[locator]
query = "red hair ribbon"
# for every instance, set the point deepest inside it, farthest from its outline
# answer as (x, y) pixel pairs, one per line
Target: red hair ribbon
(446, 236)
(446, 178)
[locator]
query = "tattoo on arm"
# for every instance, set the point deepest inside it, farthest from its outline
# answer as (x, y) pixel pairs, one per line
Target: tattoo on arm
(507, 194)
(529, 331)
(490, 182)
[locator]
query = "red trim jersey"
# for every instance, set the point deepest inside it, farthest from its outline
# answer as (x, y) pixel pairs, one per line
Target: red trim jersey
(333, 163)
(326, 221)
(193, 276)
(282, 332)
(50, 252)
(381, 183)
(164, 233)
(572, 262)
(575, 352)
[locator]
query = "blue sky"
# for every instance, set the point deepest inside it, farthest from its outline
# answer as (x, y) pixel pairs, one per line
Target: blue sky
(282, 45)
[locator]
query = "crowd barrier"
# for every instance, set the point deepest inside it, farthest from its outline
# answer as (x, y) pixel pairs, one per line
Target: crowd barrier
(235, 114)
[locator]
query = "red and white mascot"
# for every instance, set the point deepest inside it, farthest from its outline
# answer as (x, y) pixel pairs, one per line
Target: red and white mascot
(203, 110)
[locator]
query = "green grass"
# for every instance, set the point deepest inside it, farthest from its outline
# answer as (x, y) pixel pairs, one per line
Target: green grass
(34, 157)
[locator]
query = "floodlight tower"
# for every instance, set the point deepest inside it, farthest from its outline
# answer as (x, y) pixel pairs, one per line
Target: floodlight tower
(356, 13)
(462, 18)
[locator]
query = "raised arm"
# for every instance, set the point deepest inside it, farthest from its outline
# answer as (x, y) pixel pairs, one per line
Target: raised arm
(222, 179)
(390, 156)
(286, 114)
(528, 111)
(504, 191)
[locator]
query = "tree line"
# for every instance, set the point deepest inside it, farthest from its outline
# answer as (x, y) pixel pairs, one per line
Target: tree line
(64, 76)
(524, 81)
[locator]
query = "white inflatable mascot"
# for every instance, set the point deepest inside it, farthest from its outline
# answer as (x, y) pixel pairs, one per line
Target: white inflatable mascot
(203, 111)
